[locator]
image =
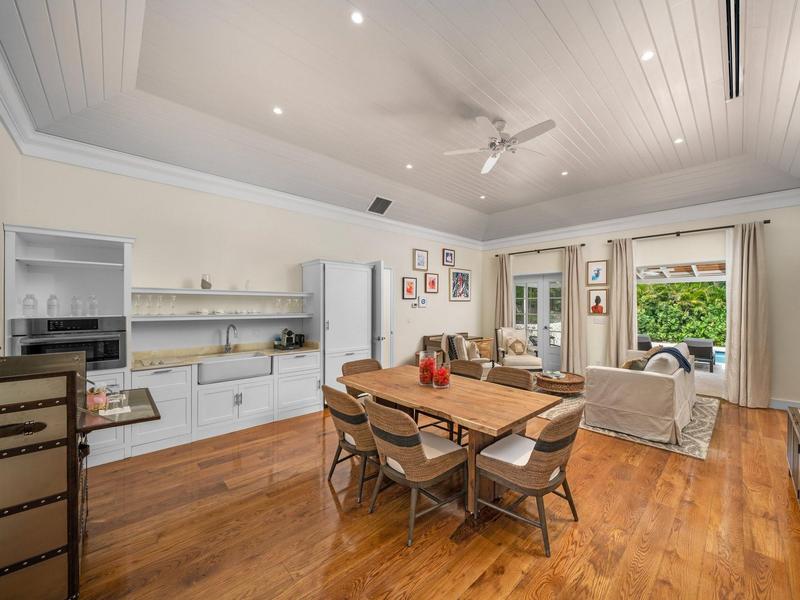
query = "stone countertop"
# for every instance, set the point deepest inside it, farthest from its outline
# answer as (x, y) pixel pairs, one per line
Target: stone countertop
(182, 357)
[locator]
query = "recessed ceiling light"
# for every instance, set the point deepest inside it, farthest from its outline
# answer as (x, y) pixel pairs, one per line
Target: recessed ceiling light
(277, 110)
(356, 17)
(564, 173)
(647, 55)
(409, 166)
(677, 141)
(483, 197)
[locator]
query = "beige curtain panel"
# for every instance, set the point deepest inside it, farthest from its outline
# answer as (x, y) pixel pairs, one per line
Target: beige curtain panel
(748, 357)
(573, 312)
(504, 297)
(622, 302)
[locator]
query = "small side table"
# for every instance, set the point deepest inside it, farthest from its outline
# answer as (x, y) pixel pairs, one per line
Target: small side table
(571, 384)
(143, 409)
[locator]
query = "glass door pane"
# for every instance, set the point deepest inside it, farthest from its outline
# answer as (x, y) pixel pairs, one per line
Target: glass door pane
(532, 321)
(554, 314)
(519, 306)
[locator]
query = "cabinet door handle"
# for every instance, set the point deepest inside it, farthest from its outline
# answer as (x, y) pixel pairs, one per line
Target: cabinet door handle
(327, 325)
(319, 384)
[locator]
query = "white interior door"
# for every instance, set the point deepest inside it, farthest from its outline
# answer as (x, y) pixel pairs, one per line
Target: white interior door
(382, 314)
(538, 311)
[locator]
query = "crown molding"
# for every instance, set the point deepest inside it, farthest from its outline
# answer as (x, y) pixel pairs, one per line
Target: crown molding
(33, 143)
(699, 212)
(30, 142)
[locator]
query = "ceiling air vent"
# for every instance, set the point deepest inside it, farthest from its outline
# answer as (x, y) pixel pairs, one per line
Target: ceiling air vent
(379, 206)
(731, 12)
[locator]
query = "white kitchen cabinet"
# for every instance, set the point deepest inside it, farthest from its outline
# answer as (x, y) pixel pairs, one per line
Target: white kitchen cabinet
(216, 404)
(341, 305)
(233, 405)
(299, 394)
(257, 399)
(107, 445)
(334, 362)
(172, 392)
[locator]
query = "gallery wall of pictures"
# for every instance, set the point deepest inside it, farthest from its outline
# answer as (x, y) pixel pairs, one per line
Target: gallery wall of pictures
(459, 280)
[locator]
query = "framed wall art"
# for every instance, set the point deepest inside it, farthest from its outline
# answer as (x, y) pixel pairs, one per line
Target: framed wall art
(420, 260)
(460, 285)
(409, 288)
(431, 283)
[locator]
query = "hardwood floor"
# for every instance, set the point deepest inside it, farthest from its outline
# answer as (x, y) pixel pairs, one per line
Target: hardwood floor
(250, 515)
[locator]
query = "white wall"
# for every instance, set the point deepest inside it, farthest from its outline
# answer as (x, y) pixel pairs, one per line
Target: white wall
(783, 279)
(182, 233)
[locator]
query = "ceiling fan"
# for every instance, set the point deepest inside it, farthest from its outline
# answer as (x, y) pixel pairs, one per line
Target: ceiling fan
(500, 141)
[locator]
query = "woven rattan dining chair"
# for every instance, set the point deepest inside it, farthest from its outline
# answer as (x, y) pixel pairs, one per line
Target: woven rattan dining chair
(465, 368)
(355, 437)
(518, 378)
(413, 458)
(532, 467)
(354, 367)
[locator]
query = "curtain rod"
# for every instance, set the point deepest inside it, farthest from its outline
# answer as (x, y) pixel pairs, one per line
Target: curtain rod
(679, 233)
(536, 251)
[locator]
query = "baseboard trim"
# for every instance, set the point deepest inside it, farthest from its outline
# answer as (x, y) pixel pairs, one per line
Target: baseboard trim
(783, 404)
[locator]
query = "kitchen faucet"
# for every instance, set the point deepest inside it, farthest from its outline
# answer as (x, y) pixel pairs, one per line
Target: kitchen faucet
(227, 347)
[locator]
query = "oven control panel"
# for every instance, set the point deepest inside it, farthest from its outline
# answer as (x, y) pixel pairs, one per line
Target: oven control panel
(55, 325)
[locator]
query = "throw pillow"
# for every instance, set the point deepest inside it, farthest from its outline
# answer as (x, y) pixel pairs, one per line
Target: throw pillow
(665, 364)
(516, 347)
(472, 351)
(650, 353)
(635, 364)
(461, 347)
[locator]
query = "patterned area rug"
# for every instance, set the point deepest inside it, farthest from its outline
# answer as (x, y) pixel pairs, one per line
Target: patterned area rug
(696, 435)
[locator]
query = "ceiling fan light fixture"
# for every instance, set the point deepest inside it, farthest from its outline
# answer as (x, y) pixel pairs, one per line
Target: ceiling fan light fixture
(356, 17)
(647, 55)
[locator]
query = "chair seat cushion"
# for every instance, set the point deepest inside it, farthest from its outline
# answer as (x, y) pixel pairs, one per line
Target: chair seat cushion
(523, 360)
(433, 445)
(349, 439)
(515, 450)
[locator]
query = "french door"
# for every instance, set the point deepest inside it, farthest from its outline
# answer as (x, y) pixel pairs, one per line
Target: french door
(538, 311)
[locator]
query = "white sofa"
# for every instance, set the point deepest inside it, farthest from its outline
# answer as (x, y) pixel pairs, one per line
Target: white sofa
(654, 404)
(508, 358)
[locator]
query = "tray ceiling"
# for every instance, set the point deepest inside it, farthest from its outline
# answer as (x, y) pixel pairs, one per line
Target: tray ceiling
(193, 83)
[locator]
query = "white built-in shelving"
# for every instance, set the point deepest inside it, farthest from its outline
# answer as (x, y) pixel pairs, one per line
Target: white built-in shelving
(57, 263)
(212, 292)
(217, 317)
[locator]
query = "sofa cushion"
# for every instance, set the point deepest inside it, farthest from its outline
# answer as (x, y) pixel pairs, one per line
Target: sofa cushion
(662, 363)
(461, 347)
(684, 349)
(472, 351)
(523, 360)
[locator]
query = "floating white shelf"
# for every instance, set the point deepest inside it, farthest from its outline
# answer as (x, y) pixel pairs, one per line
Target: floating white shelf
(195, 292)
(54, 262)
(225, 317)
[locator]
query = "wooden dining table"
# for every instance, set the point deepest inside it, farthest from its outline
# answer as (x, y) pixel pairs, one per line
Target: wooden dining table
(488, 410)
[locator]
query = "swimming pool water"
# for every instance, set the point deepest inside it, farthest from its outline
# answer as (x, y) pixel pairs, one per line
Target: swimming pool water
(719, 356)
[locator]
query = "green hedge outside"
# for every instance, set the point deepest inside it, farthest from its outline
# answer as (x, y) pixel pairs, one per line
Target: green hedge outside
(671, 312)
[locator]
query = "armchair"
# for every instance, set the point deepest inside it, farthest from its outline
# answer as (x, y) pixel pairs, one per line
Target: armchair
(650, 404)
(512, 350)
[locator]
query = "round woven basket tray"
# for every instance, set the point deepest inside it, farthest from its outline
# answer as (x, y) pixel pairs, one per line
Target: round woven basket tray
(571, 383)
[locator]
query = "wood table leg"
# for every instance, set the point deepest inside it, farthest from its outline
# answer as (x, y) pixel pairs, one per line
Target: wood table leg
(477, 442)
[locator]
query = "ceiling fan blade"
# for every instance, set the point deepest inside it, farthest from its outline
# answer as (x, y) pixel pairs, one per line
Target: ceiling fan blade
(531, 150)
(528, 134)
(487, 127)
(465, 151)
(490, 163)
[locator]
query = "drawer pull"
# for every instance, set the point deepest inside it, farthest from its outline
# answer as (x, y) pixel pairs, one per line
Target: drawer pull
(299, 355)
(349, 353)
(26, 428)
(161, 372)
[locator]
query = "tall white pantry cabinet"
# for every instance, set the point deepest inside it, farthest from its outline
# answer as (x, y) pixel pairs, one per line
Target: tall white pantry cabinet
(341, 305)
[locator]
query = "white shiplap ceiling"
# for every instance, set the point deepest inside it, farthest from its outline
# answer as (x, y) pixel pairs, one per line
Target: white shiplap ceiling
(193, 83)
